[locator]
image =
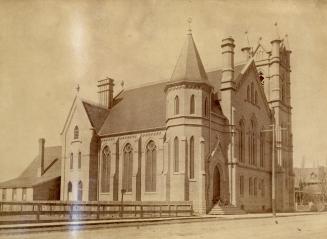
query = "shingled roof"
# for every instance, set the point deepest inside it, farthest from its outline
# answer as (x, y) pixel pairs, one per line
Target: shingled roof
(96, 114)
(137, 109)
(29, 178)
(189, 66)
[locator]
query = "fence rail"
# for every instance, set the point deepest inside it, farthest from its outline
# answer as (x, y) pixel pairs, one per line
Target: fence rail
(61, 210)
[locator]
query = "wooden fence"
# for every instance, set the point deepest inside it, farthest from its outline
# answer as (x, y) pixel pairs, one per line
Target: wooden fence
(61, 210)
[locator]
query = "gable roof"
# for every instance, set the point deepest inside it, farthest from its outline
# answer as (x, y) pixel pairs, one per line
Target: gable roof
(137, 109)
(29, 177)
(96, 114)
(189, 66)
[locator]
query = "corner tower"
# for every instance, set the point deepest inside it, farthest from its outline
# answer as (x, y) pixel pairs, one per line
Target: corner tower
(188, 97)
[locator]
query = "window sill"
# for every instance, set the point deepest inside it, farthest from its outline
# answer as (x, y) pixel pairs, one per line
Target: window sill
(192, 180)
(178, 173)
(150, 193)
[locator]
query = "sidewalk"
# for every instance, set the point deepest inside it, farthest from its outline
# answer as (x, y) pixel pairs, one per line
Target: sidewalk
(76, 225)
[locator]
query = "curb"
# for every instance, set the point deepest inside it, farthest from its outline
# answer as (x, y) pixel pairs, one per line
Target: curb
(84, 225)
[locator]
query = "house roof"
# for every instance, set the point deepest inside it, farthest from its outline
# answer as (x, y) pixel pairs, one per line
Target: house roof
(96, 114)
(189, 66)
(29, 177)
(309, 175)
(137, 109)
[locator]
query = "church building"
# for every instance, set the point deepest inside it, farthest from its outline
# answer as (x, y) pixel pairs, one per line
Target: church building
(202, 136)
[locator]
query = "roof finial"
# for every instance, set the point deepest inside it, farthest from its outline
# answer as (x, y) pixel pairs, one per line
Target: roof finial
(259, 40)
(247, 38)
(189, 20)
(77, 88)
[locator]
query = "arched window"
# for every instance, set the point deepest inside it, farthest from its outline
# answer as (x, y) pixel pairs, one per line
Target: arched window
(69, 191)
(14, 194)
(151, 167)
(248, 95)
(254, 144)
(192, 105)
(79, 160)
(80, 191)
(4, 194)
(241, 185)
(128, 168)
(241, 142)
(262, 188)
(262, 149)
(176, 155)
(256, 98)
(252, 92)
(250, 186)
(76, 132)
(192, 157)
(205, 108)
(176, 105)
(255, 186)
(71, 162)
(105, 170)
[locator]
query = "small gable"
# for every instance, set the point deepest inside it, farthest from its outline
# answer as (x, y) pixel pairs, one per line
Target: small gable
(260, 53)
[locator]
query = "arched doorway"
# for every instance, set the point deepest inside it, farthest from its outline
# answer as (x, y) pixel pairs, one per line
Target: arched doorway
(216, 185)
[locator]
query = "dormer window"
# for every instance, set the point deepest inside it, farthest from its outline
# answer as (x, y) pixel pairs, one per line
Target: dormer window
(76, 132)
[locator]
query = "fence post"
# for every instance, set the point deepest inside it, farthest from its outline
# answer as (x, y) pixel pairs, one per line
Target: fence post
(159, 210)
(176, 208)
(71, 209)
(191, 207)
(38, 212)
(141, 211)
(169, 210)
(98, 211)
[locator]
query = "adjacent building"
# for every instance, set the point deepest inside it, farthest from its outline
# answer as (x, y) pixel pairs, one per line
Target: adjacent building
(39, 181)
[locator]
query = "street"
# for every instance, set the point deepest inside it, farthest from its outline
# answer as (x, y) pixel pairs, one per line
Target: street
(309, 226)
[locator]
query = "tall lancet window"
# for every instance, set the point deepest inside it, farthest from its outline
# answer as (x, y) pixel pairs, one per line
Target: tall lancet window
(192, 157)
(254, 144)
(176, 155)
(192, 105)
(262, 149)
(241, 140)
(128, 168)
(105, 170)
(76, 132)
(150, 167)
(176, 106)
(205, 108)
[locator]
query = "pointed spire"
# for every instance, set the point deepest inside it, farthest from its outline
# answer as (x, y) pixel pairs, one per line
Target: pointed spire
(286, 43)
(276, 36)
(246, 49)
(189, 66)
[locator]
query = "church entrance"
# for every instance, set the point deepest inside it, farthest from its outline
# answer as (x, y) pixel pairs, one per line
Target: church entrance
(216, 186)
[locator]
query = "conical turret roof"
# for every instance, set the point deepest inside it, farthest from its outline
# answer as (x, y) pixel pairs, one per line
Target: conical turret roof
(189, 66)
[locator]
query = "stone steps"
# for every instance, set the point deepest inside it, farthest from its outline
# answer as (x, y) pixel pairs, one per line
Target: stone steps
(226, 210)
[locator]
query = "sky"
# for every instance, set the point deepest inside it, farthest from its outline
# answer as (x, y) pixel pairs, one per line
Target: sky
(48, 47)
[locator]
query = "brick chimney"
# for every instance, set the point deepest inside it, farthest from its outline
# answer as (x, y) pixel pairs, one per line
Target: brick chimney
(41, 154)
(106, 92)
(227, 47)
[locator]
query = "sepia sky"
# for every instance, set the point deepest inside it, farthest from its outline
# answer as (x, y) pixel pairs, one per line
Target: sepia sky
(48, 47)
